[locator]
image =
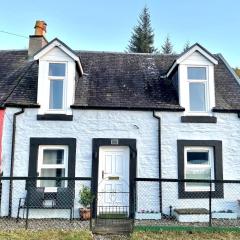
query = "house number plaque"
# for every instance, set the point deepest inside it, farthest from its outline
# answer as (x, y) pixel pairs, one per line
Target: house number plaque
(114, 141)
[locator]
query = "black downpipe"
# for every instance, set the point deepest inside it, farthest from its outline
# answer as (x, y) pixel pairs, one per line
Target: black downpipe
(12, 160)
(159, 160)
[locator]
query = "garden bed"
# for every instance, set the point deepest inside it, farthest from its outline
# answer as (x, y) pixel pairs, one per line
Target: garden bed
(224, 215)
(147, 216)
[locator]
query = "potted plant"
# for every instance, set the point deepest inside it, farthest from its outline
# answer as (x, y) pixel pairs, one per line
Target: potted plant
(85, 200)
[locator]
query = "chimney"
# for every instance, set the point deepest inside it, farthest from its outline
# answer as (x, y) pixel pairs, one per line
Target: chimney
(38, 40)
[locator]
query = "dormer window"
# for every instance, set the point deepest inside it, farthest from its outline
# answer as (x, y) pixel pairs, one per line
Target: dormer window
(198, 89)
(59, 67)
(56, 75)
(192, 74)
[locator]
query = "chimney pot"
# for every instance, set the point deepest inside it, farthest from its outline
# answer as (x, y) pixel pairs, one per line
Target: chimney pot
(40, 28)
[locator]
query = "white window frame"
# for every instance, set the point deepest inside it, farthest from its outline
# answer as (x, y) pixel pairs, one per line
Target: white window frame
(40, 164)
(64, 79)
(206, 84)
(199, 166)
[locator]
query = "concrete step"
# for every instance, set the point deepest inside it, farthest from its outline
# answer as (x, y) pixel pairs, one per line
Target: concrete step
(112, 226)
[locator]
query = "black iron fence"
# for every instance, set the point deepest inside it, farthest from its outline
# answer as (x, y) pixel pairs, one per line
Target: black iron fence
(50, 202)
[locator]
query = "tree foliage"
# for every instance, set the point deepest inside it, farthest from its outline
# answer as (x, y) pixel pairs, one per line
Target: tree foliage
(237, 71)
(186, 46)
(167, 47)
(142, 39)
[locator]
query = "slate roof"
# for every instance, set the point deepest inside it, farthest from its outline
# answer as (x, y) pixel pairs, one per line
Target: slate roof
(112, 80)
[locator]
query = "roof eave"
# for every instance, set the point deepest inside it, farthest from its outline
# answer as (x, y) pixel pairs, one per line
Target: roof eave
(191, 50)
(58, 43)
(166, 109)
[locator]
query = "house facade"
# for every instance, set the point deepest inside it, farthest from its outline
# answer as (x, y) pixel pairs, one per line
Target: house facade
(115, 117)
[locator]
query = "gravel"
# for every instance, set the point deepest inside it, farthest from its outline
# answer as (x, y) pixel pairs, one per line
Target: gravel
(63, 224)
(43, 224)
(172, 222)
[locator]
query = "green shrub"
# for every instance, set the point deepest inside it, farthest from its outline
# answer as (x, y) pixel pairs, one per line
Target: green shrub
(86, 197)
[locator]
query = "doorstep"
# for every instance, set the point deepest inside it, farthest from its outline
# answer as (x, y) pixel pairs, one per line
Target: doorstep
(191, 214)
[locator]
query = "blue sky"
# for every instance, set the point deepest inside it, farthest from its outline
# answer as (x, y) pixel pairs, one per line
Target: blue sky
(106, 25)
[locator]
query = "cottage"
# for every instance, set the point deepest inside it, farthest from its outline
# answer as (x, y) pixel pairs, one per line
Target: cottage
(115, 117)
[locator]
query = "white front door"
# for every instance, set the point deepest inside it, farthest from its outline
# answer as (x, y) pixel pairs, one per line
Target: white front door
(113, 179)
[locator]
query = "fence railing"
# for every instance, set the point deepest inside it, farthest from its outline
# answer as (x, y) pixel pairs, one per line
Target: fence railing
(53, 202)
(187, 202)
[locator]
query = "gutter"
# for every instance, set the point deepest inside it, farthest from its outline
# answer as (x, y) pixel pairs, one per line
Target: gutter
(160, 109)
(159, 160)
(12, 160)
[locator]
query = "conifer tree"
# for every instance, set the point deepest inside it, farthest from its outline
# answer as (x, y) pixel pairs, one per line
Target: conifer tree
(237, 71)
(142, 39)
(186, 46)
(167, 47)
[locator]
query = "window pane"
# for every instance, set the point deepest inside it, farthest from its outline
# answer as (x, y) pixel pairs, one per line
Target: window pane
(203, 174)
(197, 96)
(197, 157)
(52, 156)
(56, 69)
(56, 94)
(197, 73)
(52, 173)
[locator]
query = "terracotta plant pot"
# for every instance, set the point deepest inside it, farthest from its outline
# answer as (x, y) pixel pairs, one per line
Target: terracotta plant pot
(85, 214)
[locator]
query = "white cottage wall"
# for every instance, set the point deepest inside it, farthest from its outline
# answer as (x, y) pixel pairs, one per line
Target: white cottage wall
(86, 125)
(139, 125)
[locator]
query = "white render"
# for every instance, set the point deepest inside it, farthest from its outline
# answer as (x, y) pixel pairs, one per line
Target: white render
(139, 125)
(227, 129)
(85, 126)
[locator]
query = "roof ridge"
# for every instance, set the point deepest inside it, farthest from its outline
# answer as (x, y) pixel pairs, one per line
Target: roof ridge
(124, 53)
(12, 50)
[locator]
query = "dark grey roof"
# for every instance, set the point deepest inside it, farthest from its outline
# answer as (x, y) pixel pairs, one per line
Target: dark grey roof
(111, 80)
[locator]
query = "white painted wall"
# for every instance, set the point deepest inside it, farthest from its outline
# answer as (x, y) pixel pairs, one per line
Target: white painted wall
(88, 124)
(227, 129)
(85, 126)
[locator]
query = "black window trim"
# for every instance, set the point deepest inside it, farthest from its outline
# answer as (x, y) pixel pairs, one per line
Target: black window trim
(33, 155)
(54, 117)
(198, 119)
(218, 168)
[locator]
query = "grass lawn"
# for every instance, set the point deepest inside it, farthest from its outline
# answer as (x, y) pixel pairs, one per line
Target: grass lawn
(44, 235)
(139, 234)
(183, 235)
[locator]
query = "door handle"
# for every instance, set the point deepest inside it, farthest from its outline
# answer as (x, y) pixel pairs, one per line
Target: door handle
(102, 174)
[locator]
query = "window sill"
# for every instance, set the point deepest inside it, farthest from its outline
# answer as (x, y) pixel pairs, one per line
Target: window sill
(54, 117)
(198, 119)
